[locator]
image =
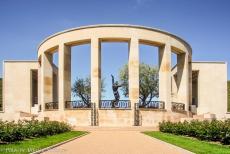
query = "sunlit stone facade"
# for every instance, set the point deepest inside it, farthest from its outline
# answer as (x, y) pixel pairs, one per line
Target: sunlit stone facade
(187, 90)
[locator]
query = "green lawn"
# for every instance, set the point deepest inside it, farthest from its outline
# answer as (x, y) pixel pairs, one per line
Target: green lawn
(28, 146)
(193, 145)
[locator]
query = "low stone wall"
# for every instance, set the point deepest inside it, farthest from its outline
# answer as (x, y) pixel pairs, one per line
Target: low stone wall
(80, 117)
(115, 117)
(106, 117)
(9, 116)
(151, 117)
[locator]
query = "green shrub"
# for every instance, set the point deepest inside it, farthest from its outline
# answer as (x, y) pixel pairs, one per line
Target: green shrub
(204, 130)
(12, 131)
(225, 133)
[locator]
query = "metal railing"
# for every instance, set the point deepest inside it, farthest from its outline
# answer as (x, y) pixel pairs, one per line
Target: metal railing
(153, 105)
(178, 107)
(79, 104)
(51, 106)
(121, 104)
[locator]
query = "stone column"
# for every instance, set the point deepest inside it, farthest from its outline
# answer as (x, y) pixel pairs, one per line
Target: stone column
(46, 78)
(39, 85)
(95, 71)
(165, 75)
(64, 75)
(190, 78)
(183, 79)
(134, 71)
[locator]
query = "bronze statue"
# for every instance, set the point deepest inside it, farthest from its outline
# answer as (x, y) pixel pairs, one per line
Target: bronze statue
(115, 87)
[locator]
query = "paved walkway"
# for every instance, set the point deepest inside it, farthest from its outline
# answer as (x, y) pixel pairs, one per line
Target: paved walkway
(116, 142)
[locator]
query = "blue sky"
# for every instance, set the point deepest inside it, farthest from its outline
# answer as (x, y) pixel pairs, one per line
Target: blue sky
(205, 24)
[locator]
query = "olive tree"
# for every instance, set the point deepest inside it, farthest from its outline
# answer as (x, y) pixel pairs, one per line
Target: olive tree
(148, 82)
(82, 89)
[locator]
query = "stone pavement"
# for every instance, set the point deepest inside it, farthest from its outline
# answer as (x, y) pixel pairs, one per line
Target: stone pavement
(116, 141)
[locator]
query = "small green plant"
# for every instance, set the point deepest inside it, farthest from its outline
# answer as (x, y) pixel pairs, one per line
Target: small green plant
(204, 130)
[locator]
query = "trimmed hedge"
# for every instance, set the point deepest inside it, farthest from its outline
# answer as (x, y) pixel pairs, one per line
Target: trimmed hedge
(17, 131)
(204, 130)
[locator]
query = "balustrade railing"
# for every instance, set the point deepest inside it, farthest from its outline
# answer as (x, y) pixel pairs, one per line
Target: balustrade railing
(51, 106)
(152, 105)
(77, 104)
(178, 107)
(121, 104)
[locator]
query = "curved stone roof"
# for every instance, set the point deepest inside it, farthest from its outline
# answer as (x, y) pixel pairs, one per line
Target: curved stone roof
(116, 25)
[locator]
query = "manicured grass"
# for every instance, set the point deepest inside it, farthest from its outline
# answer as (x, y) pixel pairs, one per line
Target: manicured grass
(31, 145)
(191, 144)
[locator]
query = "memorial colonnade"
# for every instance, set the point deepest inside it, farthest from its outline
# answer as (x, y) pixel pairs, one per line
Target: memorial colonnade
(133, 35)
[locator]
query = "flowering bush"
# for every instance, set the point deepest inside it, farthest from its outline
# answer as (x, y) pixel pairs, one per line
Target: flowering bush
(204, 130)
(16, 131)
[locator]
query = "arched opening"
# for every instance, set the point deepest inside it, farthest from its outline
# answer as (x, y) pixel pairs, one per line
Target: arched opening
(149, 77)
(50, 67)
(114, 70)
(80, 77)
(55, 76)
(178, 63)
(174, 86)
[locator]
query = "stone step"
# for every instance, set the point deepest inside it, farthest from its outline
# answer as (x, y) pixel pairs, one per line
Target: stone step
(26, 114)
(201, 117)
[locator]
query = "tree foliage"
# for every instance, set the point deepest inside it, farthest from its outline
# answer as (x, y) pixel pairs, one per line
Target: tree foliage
(82, 89)
(148, 82)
